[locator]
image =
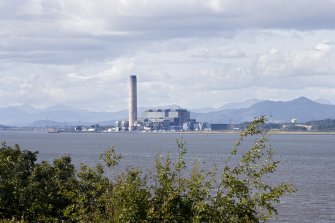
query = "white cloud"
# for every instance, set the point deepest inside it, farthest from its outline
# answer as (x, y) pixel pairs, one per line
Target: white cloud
(78, 77)
(221, 53)
(192, 52)
(298, 62)
(116, 72)
(314, 60)
(32, 8)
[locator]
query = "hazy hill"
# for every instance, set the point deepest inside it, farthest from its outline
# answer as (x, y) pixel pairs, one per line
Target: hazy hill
(13, 116)
(61, 115)
(237, 105)
(301, 108)
(322, 101)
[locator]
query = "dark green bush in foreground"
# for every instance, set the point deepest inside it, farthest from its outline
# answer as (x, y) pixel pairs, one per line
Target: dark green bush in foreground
(44, 192)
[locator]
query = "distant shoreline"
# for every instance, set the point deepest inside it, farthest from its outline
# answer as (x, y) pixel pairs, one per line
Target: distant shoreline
(237, 132)
(233, 133)
(299, 133)
(271, 132)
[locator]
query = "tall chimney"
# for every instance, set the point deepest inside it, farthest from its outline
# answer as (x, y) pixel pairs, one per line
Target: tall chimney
(132, 102)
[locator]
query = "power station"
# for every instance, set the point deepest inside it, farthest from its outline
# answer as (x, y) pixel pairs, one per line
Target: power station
(159, 119)
(132, 102)
(151, 120)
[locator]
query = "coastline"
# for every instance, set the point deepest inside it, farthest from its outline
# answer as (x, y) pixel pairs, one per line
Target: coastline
(238, 132)
(270, 132)
(235, 133)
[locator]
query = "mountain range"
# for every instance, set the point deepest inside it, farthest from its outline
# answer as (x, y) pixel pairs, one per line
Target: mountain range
(303, 109)
(62, 115)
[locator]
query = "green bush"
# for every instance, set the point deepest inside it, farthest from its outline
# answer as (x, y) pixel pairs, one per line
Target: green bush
(43, 192)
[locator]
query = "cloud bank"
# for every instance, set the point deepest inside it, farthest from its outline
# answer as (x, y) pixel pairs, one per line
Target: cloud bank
(194, 53)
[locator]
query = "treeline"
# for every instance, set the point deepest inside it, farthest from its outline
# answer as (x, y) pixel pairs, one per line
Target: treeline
(326, 125)
(56, 192)
(265, 126)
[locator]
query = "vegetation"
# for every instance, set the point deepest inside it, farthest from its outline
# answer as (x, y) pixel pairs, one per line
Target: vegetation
(265, 126)
(44, 192)
(326, 125)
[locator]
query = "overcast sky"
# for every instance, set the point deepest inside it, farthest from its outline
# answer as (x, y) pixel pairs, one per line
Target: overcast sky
(194, 53)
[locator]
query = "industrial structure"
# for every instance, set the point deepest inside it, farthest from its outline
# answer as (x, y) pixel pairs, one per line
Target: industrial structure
(151, 120)
(176, 117)
(164, 119)
(155, 119)
(170, 119)
(132, 102)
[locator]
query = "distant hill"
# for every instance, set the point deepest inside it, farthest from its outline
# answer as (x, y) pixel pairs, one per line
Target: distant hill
(62, 115)
(48, 123)
(28, 116)
(322, 101)
(237, 105)
(13, 116)
(301, 108)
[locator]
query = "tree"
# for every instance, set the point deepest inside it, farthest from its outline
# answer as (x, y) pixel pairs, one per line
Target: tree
(51, 189)
(31, 191)
(15, 168)
(240, 194)
(130, 197)
(89, 204)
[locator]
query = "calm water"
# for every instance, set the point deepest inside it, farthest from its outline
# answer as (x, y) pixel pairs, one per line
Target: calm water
(307, 161)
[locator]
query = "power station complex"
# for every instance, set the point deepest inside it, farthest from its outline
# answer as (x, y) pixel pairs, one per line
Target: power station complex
(155, 119)
(152, 120)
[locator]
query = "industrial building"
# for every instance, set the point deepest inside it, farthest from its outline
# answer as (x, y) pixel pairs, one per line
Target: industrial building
(166, 119)
(121, 126)
(220, 127)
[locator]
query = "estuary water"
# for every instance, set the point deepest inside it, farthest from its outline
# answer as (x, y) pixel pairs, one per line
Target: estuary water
(306, 161)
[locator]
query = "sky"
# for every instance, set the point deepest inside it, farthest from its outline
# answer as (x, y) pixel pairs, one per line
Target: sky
(194, 53)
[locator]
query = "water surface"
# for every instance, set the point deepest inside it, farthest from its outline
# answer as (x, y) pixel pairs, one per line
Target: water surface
(307, 161)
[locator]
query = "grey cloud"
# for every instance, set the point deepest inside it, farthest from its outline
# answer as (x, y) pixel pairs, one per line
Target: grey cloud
(220, 53)
(88, 30)
(54, 86)
(64, 50)
(238, 14)
(312, 61)
(182, 51)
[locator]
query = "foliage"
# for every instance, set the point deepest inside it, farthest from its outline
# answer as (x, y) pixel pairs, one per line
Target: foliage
(43, 192)
(34, 191)
(323, 125)
(242, 195)
(292, 127)
(16, 167)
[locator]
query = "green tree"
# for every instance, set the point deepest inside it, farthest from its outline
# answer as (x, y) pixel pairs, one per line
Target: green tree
(242, 194)
(51, 189)
(32, 191)
(15, 168)
(130, 197)
(168, 203)
(238, 194)
(89, 204)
